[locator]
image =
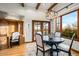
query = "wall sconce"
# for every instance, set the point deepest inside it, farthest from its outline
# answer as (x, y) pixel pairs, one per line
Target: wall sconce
(28, 25)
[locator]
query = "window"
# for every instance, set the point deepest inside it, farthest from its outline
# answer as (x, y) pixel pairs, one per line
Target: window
(69, 24)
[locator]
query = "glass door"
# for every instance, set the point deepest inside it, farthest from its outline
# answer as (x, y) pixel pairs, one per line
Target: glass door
(41, 27)
(45, 28)
(37, 28)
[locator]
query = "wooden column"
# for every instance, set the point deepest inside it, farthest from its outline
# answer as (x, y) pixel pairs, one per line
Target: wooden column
(60, 23)
(55, 25)
(42, 29)
(78, 25)
(32, 31)
(49, 27)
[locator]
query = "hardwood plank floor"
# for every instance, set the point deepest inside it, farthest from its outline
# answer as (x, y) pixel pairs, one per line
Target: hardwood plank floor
(14, 51)
(75, 52)
(20, 51)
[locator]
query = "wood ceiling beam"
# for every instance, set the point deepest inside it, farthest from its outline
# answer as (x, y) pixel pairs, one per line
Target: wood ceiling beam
(22, 4)
(52, 6)
(37, 6)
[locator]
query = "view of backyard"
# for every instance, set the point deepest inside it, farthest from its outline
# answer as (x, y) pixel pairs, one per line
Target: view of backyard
(69, 25)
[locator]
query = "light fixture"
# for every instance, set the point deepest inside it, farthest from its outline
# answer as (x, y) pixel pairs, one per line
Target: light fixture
(52, 15)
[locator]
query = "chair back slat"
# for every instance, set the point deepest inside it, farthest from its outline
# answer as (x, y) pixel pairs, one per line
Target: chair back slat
(72, 39)
(39, 39)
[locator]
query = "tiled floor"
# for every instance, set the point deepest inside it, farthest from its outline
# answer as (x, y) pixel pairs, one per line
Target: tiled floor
(28, 49)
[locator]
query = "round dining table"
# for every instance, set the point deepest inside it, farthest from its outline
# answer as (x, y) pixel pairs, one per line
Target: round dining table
(52, 42)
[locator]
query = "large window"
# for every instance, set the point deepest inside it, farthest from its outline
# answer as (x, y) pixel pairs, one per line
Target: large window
(69, 24)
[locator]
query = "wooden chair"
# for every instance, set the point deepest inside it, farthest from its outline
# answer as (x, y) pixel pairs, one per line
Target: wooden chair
(57, 37)
(65, 48)
(40, 45)
(15, 38)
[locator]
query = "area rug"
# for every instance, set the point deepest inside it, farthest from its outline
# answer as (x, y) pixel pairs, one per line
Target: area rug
(31, 51)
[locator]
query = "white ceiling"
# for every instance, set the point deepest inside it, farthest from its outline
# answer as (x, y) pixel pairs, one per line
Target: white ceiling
(45, 6)
(17, 9)
(30, 5)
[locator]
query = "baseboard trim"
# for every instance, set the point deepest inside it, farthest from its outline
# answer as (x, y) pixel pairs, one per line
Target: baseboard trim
(29, 42)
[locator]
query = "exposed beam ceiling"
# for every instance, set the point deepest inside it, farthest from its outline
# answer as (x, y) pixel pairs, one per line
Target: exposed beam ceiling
(65, 7)
(52, 6)
(22, 4)
(37, 6)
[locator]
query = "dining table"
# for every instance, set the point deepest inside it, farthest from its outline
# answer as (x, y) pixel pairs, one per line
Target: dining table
(51, 42)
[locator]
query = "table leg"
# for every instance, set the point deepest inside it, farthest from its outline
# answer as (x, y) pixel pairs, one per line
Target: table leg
(56, 48)
(51, 51)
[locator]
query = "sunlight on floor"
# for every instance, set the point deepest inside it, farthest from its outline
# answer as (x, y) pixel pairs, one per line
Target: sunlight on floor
(14, 51)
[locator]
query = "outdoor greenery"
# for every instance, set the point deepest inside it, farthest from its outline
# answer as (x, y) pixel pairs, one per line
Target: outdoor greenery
(68, 32)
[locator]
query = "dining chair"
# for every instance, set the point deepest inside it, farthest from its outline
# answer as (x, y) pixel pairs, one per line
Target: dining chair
(57, 34)
(51, 35)
(56, 37)
(15, 38)
(40, 44)
(66, 48)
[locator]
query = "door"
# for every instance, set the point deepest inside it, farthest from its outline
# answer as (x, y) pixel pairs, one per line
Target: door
(46, 28)
(40, 26)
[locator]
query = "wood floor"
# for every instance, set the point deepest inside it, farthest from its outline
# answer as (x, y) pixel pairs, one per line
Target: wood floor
(20, 51)
(76, 53)
(14, 51)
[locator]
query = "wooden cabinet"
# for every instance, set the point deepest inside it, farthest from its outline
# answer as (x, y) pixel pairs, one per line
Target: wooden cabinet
(3, 42)
(6, 29)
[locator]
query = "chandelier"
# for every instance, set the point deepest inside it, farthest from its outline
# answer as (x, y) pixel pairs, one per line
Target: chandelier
(51, 15)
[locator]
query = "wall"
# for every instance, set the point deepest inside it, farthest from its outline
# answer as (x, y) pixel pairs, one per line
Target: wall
(31, 15)
(12, 17)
